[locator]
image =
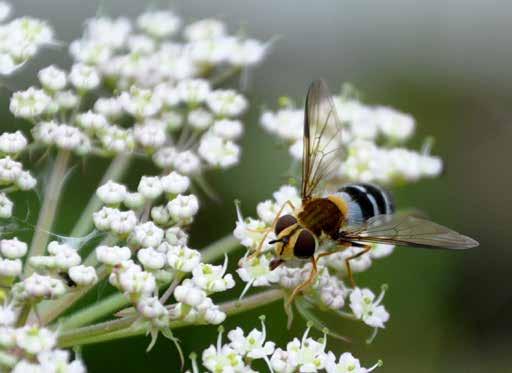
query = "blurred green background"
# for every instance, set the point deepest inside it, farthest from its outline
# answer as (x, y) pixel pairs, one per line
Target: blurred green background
(448, 64)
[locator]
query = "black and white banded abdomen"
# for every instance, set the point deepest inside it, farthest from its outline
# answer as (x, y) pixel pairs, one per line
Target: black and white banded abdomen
(365, 201)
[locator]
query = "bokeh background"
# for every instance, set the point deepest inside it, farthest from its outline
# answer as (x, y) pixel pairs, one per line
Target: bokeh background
(448, 64)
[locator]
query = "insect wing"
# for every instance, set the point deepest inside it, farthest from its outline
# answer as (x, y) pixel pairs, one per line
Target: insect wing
(322, 138)
(407, 230)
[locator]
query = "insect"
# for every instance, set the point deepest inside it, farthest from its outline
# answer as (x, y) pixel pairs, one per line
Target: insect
(356, 215)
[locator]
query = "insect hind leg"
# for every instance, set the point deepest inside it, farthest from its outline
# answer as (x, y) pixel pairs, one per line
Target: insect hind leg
(366, 248)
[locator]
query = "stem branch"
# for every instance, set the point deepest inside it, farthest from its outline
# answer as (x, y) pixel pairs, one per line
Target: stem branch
(51, 199)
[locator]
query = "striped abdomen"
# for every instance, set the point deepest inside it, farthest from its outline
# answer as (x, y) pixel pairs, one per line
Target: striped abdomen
(365, 201)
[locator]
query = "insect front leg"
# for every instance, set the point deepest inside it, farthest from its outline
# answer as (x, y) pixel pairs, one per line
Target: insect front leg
(259, 248)
(307, 283)
(366, 248)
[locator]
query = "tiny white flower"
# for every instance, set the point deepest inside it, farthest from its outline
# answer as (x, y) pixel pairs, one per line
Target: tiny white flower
(254, 345)
(68, 137)
(65, 256)
(134, 200)
(6, 206)
(84, 77)
(8, 317)
(182, 258)
(141, 102)
(247, 52)
(287, 193)
(219, 152)
(7, 64)
(90, 52)
(12, 143)
(205, 29)
(34, 339)
(151, 308)
(174, 183)
(108, 31)
(141, 44)
(187, 163)
(164, 157)
(137, 283)
(257, 271)
(112, 255)
(110, 107)
(5, 11)
(176, 236)
(26, 181)
(224, 360)
(227, 103)
(13, 248)
(159, 24)
(160, 215)
(188, 293)
(347, 363)
(103, 217)
(396, 125)
(10, 267)
(183, 207)
(359, 264)
(227, 129)
(200, 119)
(151, 259)
(150, 187)
(42, 263)
(212, 278)
(52, 78)
(83, 275)
(307, 355)
(367, 308)
(92, 122)
(111, 193)
(30, 103)
(381, 250)
(148, 234)
(66, 99)
(151, 134)
(193, 91)
(117, 140)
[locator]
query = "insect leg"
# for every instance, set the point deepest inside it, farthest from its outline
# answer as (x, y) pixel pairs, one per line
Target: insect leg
(366, 248)
(308, 282)
(258, 250)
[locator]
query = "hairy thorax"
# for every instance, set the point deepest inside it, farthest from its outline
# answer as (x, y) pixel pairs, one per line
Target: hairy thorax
(321, 215)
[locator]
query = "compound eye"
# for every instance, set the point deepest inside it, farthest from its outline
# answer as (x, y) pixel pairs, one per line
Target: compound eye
(305, 245)
(284, 222)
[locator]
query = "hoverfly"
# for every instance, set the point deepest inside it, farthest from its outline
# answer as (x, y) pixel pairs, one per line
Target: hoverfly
(356, 215)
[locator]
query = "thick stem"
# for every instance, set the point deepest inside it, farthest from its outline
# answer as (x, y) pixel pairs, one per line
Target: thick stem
(125, 327)
(114, 172)
(51, 199)
(115, 302)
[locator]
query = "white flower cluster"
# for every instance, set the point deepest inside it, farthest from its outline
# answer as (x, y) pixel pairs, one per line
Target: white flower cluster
(137, 87)
(372, 141)
(13, 177)
(34, 349)
(328, 291)
(20, 39)
(56, 274)
(301, 355)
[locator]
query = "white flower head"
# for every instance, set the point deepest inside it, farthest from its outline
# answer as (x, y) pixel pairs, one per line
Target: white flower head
(227, 103)
(84, 77)
(12, 143)
(174, 183)
(83, 275)
(10, 267)
(13, 248)
(182, 258)
(218, 152)
(159, 24)
(112, 255)
(213, 278)
(52, 78)
(150, 187)
(26, 181)
(254, 345)
(111, 193)
(205, 29)
(367, 308)
(30, 103)
(141, 102)
(6, 206)
(34, 339)
(151, 259)
(183, 207)
(188, 293)
(148, 234)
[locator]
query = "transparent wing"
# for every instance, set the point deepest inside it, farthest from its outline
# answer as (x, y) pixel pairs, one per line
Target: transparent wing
(407, 230)
(322, 149)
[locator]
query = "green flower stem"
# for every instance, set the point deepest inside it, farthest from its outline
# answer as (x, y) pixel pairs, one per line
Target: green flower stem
(226, 75)
(6, 360)
(114, 172)
(51, 199)
(128, 326)
(115, 302)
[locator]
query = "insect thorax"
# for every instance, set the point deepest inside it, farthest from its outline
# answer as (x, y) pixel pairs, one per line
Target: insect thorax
(321, 215)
